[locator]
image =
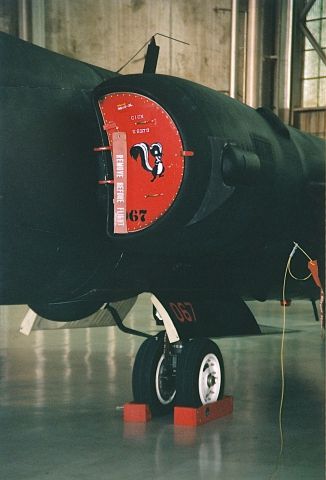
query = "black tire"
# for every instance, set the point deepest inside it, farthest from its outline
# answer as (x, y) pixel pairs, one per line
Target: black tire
(148, 385)
(200, 373)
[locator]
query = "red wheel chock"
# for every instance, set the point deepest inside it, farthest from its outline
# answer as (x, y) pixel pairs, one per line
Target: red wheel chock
(136, 412)
(187, 416)
(192, 417)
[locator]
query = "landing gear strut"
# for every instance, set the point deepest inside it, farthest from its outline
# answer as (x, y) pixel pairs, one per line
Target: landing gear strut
(184, 374)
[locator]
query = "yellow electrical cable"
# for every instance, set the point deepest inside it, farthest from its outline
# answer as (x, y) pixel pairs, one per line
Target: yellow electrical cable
(289, 262)
(282, 367)
(282, 356)
(302, 250)
(287, 270)
(296, 278)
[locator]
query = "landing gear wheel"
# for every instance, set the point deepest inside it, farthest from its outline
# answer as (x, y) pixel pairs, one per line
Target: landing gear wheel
(153, 377)
(200, 374)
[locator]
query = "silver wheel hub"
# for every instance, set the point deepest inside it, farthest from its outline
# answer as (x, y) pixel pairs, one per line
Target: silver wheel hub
(164, 384)
(209, 380)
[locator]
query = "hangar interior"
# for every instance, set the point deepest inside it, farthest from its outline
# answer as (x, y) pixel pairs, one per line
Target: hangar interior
(268, 52)
(62, 392)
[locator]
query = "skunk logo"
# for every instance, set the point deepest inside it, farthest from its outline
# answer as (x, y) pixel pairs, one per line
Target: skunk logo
(142, 150)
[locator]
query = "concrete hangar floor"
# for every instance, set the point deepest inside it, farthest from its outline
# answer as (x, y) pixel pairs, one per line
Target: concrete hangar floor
(61, 394)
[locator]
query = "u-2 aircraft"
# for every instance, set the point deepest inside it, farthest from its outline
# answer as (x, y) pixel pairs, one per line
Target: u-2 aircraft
(112, 185)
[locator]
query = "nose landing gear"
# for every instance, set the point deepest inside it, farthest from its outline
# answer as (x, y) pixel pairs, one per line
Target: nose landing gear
(189, 373)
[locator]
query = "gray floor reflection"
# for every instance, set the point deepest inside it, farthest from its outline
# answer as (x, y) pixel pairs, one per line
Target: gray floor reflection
(39, 369)
(59, 393)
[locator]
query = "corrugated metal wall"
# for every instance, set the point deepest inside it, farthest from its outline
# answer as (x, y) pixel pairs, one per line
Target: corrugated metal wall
(108, 32)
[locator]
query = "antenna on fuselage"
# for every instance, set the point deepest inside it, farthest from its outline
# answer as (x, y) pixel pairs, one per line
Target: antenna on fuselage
(152, 53)
(151, 57)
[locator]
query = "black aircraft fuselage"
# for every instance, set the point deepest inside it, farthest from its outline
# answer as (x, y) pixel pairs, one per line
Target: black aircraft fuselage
(112, 185)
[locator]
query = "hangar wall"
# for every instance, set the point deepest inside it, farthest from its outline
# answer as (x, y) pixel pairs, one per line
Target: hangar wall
(109, 32)
(270, 62)
(9, 17)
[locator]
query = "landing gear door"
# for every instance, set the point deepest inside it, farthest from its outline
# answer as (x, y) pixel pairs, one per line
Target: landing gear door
(202, 314)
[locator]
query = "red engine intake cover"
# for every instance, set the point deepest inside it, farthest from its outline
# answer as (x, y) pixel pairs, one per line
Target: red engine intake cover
(147, 156)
